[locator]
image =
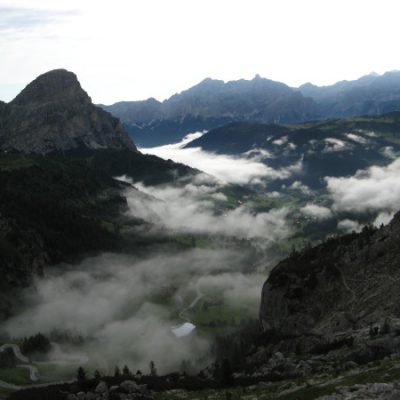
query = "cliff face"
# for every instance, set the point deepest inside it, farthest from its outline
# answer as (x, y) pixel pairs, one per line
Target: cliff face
(53, 113)
(345, 283)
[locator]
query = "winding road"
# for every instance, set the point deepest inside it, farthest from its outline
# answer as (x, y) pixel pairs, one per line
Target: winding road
(200, 294)
(33, 370)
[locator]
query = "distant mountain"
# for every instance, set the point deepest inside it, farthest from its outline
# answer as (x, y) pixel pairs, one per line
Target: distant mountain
(213, 103)
(336, 147)
(370, 95)
(53, 113)
(209, 104)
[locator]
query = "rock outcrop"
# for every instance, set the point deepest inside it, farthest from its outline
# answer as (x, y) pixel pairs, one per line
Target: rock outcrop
(345, 284)
(53, 113)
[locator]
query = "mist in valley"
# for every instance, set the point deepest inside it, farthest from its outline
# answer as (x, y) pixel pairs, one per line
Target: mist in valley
(126, 308)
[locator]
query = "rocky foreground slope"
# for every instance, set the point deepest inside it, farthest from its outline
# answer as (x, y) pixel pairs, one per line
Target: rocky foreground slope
(347, 283)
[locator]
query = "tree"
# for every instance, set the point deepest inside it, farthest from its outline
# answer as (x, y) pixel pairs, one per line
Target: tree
(36, 344)
(117, 372)
(386, 328)
(153, 370)
(97, 375)
(226, 373)
(126, 371)
(81, 375)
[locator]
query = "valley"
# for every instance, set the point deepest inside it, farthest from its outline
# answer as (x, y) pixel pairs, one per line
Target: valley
(118, 259)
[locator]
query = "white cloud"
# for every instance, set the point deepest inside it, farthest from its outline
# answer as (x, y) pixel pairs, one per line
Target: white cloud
(316, 211)
(297, 185)
(332, 145)
(356, 138)
(348, 226)
(281, 141)
(191, 209)
(389, 152)
(225, 168)
(113, 299)
(383, 218)
(258, 154)
(374, 189)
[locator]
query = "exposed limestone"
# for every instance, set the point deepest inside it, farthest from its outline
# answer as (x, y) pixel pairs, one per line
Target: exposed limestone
(53, 113)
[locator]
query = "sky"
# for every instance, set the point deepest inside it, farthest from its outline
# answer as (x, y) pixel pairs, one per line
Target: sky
(136, 49)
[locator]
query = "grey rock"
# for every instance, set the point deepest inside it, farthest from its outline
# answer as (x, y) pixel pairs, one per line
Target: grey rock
(130, 386)
(53, 113)
(310, 294)
(101, 387)
(395, 395)
(379, 388)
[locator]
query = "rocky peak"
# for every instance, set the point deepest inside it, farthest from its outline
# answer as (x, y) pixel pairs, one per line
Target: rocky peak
(53, 86)
(53, 113)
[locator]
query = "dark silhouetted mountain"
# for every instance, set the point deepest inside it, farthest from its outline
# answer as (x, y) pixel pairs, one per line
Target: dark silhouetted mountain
(53, 113)
(213, 103)
(209, 104)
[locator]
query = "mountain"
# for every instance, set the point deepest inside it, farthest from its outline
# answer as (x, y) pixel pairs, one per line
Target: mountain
(53, 113)
(209, 104)
(59, 200)
(370, 95)
(213, 103)
(346, 284)
(336, 147)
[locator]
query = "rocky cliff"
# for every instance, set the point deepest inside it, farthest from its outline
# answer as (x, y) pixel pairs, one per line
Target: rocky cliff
(53, 113)
(344, 284)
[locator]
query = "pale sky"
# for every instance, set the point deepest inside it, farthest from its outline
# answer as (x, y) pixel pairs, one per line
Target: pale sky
(135, 49)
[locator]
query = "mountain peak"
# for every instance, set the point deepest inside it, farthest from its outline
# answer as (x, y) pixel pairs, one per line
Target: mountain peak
(54, 113)
(55, 85)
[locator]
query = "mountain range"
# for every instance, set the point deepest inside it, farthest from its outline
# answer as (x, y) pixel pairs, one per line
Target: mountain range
(213, 103)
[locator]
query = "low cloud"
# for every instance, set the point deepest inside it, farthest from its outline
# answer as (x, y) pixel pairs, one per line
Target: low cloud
(356, 138)
(281, 141)
(245, 169)
(374, 189)
(348, 226)
(333, 145)
(316, 211)
(128, 306)
(297, 185)
(389, 152)
(383, 218)
(192, 209)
